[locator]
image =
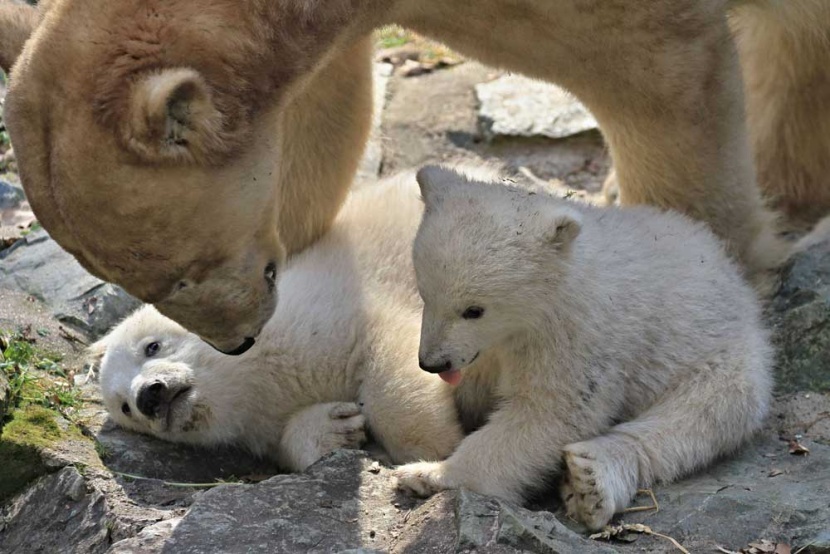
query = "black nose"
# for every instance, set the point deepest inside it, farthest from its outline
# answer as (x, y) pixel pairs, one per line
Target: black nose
(241, 349)
(440, 368)
(151, 398)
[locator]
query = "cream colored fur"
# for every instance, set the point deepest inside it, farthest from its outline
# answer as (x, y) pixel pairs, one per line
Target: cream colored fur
(637, 360)
(340, 350)
(784, 48)
(192, 205)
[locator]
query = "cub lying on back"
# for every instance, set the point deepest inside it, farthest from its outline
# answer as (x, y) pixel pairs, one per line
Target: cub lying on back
(637, 359)
(345, 333)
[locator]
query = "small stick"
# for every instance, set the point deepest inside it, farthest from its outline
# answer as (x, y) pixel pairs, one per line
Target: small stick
(655, 506)
(811, 543)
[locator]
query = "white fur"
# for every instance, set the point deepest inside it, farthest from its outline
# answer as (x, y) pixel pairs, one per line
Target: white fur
(627, 343)
(345, 333)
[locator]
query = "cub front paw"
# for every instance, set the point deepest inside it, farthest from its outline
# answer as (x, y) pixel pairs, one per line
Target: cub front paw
(585, 488)
(422, 478)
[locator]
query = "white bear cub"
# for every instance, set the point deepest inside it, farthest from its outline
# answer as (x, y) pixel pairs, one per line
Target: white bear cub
(627, 344)
(340, 353)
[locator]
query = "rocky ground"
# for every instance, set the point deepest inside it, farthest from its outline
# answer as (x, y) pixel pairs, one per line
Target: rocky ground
(72, 482)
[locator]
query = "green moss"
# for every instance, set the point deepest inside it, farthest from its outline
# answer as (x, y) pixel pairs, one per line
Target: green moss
(30, 429)
(41, 396)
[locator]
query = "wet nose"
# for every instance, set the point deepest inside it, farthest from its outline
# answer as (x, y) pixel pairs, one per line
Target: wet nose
(444, 366)
(151, 398)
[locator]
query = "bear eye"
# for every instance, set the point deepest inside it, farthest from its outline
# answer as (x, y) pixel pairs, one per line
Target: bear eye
(125, 409)
(473, 312)
(152, 349)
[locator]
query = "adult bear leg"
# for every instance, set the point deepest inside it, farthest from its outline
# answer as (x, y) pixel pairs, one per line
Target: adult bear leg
(673, 115)
(785, 52)
(323, 131)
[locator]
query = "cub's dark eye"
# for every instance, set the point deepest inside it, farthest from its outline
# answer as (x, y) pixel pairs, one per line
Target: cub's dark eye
(152, 349)
(125, 409)
(473, 312)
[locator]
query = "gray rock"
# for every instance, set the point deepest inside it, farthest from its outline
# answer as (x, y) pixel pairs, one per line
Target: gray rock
(152, 458)
(11, 195)
(800, 320)
(487, 522)
(339, 505)
(57, 514)
(514, 105)
(370, 164)
(820, 544)
(41, 268)
(150, 539)
(746, 499)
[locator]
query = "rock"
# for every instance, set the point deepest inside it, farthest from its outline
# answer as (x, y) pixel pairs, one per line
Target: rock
(370, 164)
(9, 234)
(339, 505)
(150, 539)
(57, 514)
(800, 319)
(41, 268)
(152, 458)
(742, 500)
(820, 544)
(11, 195)
(514, 105)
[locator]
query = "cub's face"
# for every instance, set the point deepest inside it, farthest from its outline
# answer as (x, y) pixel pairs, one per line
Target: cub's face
(487, 260)
(148, 379)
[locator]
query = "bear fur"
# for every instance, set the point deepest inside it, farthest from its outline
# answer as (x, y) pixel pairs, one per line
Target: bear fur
(637, 360)
(240, 124)
(340, 350)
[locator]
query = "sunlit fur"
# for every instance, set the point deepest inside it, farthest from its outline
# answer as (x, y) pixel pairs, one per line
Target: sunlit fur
(341, 349)
(638, 359)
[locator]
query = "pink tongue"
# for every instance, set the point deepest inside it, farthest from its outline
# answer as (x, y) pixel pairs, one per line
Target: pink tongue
(453, 376)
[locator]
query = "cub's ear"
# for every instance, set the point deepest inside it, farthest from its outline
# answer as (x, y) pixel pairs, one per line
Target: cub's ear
(95, 354)
(171, 116)
(434, 181)
(17, 23)
(560, 227)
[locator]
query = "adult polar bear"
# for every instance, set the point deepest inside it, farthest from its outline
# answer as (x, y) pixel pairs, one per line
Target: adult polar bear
(183, 148)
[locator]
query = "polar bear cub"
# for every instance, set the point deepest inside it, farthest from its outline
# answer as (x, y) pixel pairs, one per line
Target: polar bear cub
(340, 351)
(637, 359)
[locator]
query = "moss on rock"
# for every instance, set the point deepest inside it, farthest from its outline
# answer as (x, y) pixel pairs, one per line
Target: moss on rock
(29, 431)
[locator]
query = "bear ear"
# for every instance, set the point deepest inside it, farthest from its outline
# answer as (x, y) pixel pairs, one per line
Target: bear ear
(171, 116)
(95, 354)
(560, 227)
(434, 181)
(17, 23)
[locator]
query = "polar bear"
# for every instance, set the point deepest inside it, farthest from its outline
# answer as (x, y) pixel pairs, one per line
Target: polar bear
(238, 126)
(341, 349)
(636, 360)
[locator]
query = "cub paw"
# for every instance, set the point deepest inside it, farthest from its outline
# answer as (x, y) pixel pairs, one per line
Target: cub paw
(345, 428)
(421, 479)
(585, 488)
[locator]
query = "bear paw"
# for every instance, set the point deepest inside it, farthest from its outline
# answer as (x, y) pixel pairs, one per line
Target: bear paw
(586, 489)
(344, 428)
(421, 479)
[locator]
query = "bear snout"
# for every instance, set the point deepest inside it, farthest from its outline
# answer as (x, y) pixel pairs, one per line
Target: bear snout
(154, 399)
(438, 368)
(151, 398)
